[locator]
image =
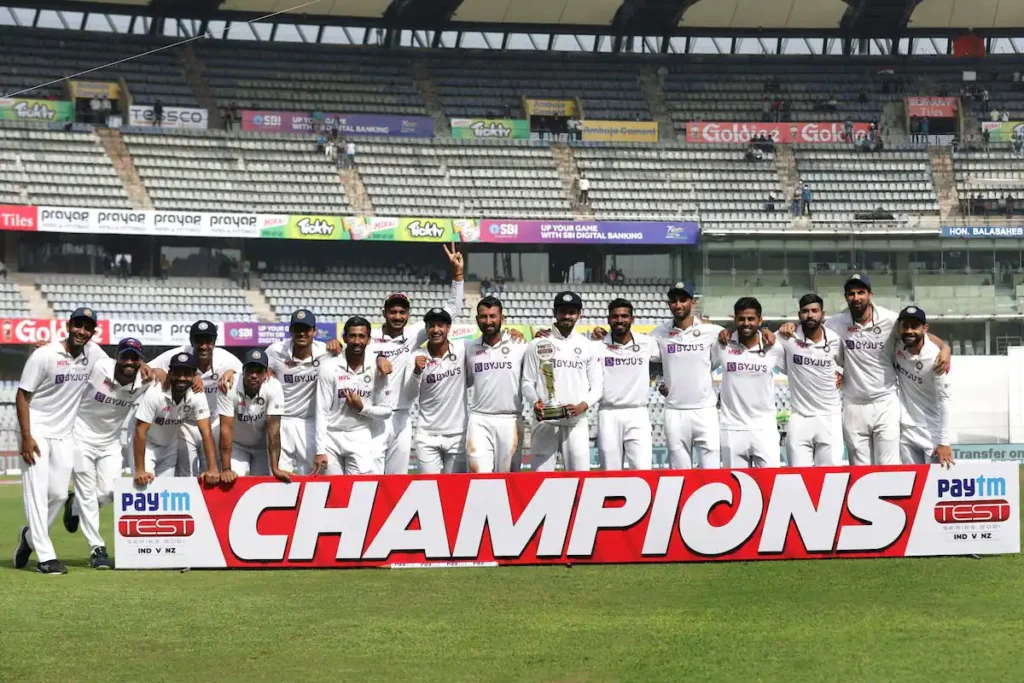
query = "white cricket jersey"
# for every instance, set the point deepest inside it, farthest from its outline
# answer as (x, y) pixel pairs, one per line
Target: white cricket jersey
(495, 374)
(441, 389)
(627, 370)
(748, 385)
(868, 373)
(577, 372)
(811, 368)
(924, 396)
(397, 349)
(333, 413)
(165, 416)
(56, 381)
(298, 377)
(105, 405)
(223, 361)
(687, 362)
(251, 412)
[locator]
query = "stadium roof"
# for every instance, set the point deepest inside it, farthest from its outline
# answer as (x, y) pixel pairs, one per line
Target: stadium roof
(850, 18)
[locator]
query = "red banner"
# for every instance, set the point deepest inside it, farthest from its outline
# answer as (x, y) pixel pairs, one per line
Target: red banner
(784, 133)
(34, 330)
(932, 107)
(562, 518)
(15, 217)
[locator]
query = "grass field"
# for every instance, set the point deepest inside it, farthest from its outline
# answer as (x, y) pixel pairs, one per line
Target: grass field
(863, 620)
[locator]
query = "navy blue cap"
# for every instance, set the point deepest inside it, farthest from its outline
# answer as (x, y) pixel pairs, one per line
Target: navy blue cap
(84, 312)
(255, 357)
(913, 313)
(569, 299)
(682, 287)
(303, 316)
(183, 360)
(438, 315)
(202, 327)
(130, 345)
(858, 280)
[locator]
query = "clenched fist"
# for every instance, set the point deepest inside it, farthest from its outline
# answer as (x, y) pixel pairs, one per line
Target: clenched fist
(420, 364)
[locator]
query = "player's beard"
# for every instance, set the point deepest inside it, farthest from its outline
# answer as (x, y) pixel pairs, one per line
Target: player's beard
(911, 339)
(810, 327)
(620, 330)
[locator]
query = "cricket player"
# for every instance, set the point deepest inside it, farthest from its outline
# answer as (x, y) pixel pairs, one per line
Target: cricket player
(871, 409)
(811, 359)
(395, 340)
(750, 435)
(925, 404)
(494, 371)
(157, 435)
(686, 346)
(111, 393)
(623, 421)
(296, 363)
(47, 402)
(578, 384)
(217, 367)
(436, 377)
(250, 421)
(351, 395)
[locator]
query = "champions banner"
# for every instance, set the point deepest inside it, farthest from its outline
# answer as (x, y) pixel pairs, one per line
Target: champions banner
(569, 518)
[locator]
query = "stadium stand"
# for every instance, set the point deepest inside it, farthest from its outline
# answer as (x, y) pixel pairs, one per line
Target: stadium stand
(56, 167)
(456, 178)
(174, 299)
(12, 302)
(217, 171)
(531, 302)
(993, 175)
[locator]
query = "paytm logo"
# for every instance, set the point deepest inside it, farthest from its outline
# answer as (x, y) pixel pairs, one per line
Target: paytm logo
(969, 488)
(164, 501)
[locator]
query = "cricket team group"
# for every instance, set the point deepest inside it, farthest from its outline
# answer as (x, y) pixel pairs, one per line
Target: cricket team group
(867, 378)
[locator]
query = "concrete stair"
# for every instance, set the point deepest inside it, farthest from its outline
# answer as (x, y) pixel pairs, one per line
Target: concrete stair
(259, 303)
(121, 158)
(944, 181)
(569, 172)
(37, 305)
(655, 96)
(785, 165)
(358, 197)
(431, 99)
(196, 78)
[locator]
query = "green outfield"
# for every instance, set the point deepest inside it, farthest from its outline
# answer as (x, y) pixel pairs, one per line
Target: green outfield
(863, 620)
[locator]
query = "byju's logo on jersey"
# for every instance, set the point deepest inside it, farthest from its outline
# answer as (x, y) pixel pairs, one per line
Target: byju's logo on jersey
(683, 348)
(299, 379)
(163, 515)
(811, 361)
(611, 362)
(493, 365)
(746, 367)
(70, 377)
(867, 345)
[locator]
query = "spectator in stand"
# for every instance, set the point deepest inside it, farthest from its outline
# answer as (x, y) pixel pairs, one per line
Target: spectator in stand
(329, 148)
(350, 153)
(620, 277)
(158, 113)
(339, 157)
(787, 111)
(986, 137)
(246, 267)
(96, 106)
(321, 141)
(925, 126)
(236, 113)
(165, 267)
(108, 263)
(769, 205)
(584, 189)
(766, 111)
(1005, 118)
(485, 287)
(1010, 204)
(985, 102)
(797, 201)
(993, 115)
(805, 198)
(754, 153)
(123, 267)
(106, 108)
(1016, 76)
(3, 270)
(499, 285)
(228, 117)
(611, 276)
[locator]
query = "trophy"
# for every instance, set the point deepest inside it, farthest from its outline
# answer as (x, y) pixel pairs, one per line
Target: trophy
(553, 410)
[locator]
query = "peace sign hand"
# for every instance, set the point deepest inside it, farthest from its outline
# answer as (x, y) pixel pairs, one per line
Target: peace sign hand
(455, 258)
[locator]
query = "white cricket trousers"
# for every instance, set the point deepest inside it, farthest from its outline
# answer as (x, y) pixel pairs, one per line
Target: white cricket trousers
(872, 431)
(250, 462)
(191, 455)
(397, 439)
(44, 488)
(298, 445)
(353, 452)
(492, 442)
(549, 440)
(95, 469)
(624, 432)
(754, 448)
(916, 445)
(160, 461)
(693, 432)
(440, 453)
(814, 441)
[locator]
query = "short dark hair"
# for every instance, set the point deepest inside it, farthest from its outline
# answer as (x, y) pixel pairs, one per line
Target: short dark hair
(490, 302)
(356, 321)
(746, 302)
(619, 303)
(812, 298)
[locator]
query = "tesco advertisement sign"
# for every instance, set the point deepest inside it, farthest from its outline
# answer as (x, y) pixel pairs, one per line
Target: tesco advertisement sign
(743, 133)
(174, 117)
